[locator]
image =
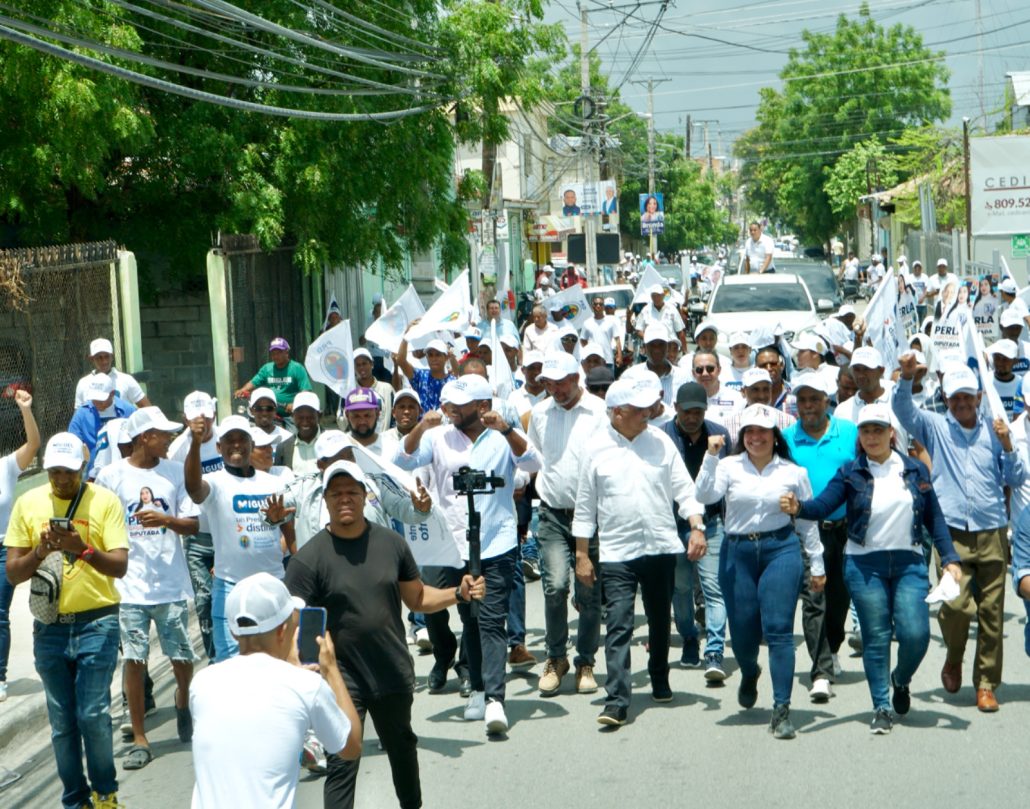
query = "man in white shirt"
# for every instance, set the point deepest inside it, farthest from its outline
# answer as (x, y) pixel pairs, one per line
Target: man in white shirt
(540, 332)
(479, 438)
(722, 401)
(917, 280)
(534, 390)
(603, 330)
(231, 501)
(876, 270)
(867, 369)
(758, 252)
(307, 410)
(757, 389)
(568, 417)
(253, 711)
(638, 541)
(156, 585)
(850, 268)
(732, 376)
(656, 349)
(935, 284)
(263, 409)
(659, 311)
(101, 354)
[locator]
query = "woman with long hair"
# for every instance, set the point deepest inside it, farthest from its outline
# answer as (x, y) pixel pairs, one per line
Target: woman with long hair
(760, 566)
(889, 499)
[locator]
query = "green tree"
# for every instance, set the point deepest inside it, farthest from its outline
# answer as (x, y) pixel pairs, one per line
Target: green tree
(860, 81)
(856, 172)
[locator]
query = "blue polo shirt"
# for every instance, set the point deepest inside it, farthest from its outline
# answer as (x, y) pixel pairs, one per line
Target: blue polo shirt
(824, 457)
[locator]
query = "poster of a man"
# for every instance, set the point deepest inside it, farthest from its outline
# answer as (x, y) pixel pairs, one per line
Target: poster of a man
(610, 204)
(569, 206)
(652, 214)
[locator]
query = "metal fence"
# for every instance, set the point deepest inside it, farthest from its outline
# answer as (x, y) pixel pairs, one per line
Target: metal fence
(929, 248)
(53, 301)
(266, 298)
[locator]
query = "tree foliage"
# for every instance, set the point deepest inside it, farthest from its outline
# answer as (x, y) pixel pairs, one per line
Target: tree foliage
(87, 156)
(860, 81)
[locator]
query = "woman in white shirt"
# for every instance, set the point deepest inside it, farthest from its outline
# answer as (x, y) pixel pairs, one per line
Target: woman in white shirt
(889, 501)
(760, 566)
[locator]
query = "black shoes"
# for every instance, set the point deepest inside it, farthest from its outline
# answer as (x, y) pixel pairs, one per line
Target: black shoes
(747, 691)
(612, 716)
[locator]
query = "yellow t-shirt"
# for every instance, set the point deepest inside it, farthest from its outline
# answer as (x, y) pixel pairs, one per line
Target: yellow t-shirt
(100, 522)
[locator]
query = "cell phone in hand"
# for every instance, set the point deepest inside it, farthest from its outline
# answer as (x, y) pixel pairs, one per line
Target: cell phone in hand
(312, 626)
(61, 522)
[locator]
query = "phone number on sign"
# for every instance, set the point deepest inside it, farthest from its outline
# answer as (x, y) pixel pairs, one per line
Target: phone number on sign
(1007, 202)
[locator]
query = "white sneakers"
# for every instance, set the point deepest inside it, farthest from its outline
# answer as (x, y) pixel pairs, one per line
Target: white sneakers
(496, 721)
(475, 708)
(820, 691)
(422, 639)
(3, 691)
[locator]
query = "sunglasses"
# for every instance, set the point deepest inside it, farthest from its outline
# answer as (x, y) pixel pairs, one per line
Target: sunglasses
(263, 409)
(705, 369)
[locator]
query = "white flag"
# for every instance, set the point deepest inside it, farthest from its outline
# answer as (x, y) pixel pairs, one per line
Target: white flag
(431, 542)
(501, 378)
(330, 359)
(651, 277)
(572, 303)
(883, 327)
(332, 307)
(976, 358)
(388, 330)
(449, 312)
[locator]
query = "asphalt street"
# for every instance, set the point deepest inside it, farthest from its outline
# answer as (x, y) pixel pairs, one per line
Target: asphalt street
(701, 749)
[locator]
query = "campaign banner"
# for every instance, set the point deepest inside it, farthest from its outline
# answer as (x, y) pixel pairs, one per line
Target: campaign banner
(884, 329)
(572, 303)
(652, 214)
(999, 185)
(431, 542)
(449, 312)
(330, 359)
(387, 330)
(976, 358)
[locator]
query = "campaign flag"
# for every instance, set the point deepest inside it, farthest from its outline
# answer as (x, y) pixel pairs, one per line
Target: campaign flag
(432, 542)
(330, 359)
(976, 358)
(501, 378)
(388, 329)
(572, 303)
(649, 278)
(449, 312)
(333, 307)
(884, 329)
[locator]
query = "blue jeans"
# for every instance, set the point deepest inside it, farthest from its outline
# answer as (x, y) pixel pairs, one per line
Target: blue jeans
(486, 638)
(620, 580)
(889, 588)
(76, 663)
(761, 582)
(225, 644)
(557, 566)
(6, 594)
(200, 559)
(707, 570)
(517, 603)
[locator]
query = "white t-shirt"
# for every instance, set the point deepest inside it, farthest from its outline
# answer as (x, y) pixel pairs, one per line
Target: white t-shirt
(918, 284)
(756, 251)
(602, 333)
(535, 339)
(244, 543)
(9, 472)
(250, 715)
(890, 518)
(210, 457)
(157, 572)
(1008, 391)
(125, 387)
(937, 282)
(851, 269)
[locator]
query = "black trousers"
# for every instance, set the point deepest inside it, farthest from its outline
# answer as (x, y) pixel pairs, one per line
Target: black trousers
(391, 716)
(446, 649)
(838, 599)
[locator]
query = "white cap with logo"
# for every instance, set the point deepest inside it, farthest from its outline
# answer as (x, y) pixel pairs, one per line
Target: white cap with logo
(465, 389)
(630, 392)
(330, 444)
(307, 398)
(100, 346)
(259, 604)
(198, 404)
(558, 365)
(258, 394)
(149, 418)
(232, 423)
(758, 415)
(64, 451)
(960, 380)
(876, 413)
(754, 376)
(99, 387)
(867, 357)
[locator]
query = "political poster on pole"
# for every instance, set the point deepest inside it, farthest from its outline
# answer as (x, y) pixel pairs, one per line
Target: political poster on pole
(652, 214)
(330, 359)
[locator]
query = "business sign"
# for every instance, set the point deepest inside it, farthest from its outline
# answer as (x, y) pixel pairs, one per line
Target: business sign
(1021, 245)
(999, 170)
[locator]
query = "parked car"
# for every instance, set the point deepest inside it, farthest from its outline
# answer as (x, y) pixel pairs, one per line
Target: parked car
(818, 276)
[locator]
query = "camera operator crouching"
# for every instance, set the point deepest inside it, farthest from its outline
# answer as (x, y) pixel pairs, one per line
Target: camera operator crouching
(477, 438)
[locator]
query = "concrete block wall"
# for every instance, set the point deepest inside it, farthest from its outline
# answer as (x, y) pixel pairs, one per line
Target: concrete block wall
(177, 349)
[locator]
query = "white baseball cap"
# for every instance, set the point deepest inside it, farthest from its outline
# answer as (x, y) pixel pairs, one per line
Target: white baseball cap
(259, 604)
(942, 262)
(509, 340)
(149, 418)
(757, 415)
(466, 388)
(64, 451)
(753, 376)
(809, 341)
(198, 404)
(626, 392)
(1008, 285)
(902, 259)
(362, 352)
(409, 393)
(558, 365)
(875, 258)
(960, 380)
(655, 332)
(1010, 318)
(232, 423)
(258, 394)
(656, 289)
(590, 350)
(262, 438)
(100, 346)
(99, 387)
(845, 310)
(739, 338)
(307, 398)
(876, 413)
(331, 443)
(609, 302)
(703, 327)
(867, 357)
(348, 468)
(814, 380)
(437, 345)
(532, 357)
(1007, 349)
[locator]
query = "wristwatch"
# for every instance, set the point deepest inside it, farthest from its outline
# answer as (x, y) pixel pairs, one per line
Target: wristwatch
(508, 431)
(457, 595)
(700, 528)
(87, 553)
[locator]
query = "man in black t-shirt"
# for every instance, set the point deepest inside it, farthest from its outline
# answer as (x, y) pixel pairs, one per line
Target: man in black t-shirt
(361, 573)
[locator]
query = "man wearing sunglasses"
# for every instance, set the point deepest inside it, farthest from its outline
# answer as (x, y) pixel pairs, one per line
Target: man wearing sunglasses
(722, 401)
(263, 410)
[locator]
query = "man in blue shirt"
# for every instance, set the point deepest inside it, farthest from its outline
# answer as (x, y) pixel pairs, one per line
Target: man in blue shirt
(102, 405)
(822, 444)
(972, 464)
(504, 326)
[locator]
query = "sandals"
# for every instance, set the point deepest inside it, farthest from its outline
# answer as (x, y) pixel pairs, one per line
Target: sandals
(137, 758)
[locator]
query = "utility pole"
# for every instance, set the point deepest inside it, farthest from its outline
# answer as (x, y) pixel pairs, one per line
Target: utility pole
(653, 242)
(686, 150)
(587, 153)
(969, 196)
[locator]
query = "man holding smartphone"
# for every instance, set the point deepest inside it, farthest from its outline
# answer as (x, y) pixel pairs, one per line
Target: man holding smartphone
(361, 572)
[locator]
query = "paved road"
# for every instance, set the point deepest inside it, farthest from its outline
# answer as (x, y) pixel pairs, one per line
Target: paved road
(700, 750)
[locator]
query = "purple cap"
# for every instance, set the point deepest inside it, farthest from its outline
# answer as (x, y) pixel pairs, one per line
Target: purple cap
(279, 343)
(361, 399)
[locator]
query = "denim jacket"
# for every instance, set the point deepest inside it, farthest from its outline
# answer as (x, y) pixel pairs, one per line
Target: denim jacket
(853, 486)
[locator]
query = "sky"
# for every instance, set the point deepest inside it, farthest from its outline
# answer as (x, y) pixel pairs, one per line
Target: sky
(720, 82)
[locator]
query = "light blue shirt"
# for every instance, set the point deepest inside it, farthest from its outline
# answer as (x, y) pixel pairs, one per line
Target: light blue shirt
(504, 326)
(969, 473)
(445, 450)
(823, 457)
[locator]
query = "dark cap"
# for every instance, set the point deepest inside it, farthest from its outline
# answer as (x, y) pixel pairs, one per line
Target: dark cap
(598, 376)
(691, 395)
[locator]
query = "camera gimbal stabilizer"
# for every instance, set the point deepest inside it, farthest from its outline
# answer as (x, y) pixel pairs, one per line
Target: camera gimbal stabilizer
(470, 482)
